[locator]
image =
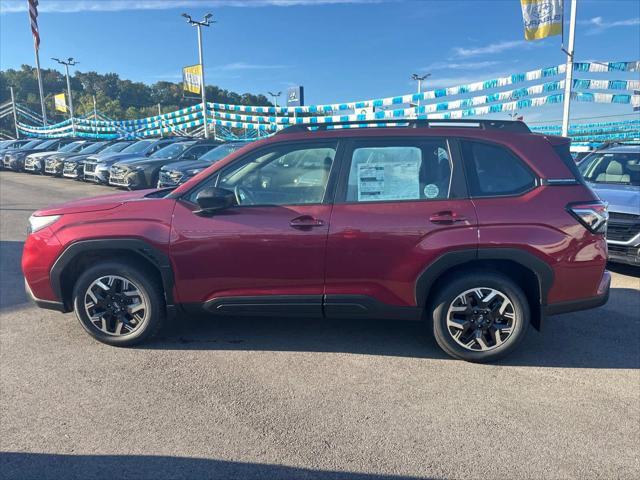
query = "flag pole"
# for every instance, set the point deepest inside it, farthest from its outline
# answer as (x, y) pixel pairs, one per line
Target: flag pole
(44, 111)
(569, 73)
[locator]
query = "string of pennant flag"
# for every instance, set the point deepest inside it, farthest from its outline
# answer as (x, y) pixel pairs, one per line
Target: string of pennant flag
(431, 104)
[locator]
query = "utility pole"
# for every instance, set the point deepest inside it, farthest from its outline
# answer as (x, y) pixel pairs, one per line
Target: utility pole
(15, 113)
(569, 73)
(419, 79)
(161, 122)
(275, 101)
(95, 115)
(203, 23)
(67, 63)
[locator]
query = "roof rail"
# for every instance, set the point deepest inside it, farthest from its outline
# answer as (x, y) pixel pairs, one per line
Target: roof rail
(504, 125)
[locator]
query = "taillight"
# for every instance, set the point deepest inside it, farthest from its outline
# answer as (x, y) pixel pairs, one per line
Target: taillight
(593, 215)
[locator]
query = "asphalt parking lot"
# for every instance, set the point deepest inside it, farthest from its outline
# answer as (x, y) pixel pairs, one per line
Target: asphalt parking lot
(254, 399)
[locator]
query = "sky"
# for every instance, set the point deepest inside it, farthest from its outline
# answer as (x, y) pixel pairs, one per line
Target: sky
(340, 50)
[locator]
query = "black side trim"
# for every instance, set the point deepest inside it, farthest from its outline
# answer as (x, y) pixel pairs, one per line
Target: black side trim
(449, 260)
(159, 259)
(363, 306)
(46, 304)
(438, 267)
(267, 305)
(576, 305)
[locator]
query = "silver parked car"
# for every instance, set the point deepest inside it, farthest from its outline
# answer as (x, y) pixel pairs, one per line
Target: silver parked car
(614, 174)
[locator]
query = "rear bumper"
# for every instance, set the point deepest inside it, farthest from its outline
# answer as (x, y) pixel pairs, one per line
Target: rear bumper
(601, 297)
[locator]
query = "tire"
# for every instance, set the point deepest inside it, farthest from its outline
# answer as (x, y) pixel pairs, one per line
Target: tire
(459, 307)
(132, 286)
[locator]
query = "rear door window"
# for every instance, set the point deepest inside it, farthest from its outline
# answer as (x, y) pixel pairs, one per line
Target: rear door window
(493, 170)
(400, 170)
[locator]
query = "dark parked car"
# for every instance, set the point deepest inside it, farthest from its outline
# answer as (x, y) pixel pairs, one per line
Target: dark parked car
(176, 173)
(54, 164)
(7, 145)
(614, 174)
(16, 156)
(143, 172)
(479, 230)
(97, 170)
(34, 163)
(15, 159)
(73, 167)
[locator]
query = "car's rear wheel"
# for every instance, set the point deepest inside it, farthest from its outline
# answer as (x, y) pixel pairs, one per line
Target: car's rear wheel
(480, 316)
(119, 304)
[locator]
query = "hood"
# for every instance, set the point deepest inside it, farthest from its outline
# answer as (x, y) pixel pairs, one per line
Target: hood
(621, 198)
(78, 158)
(63, 155)
(93, 204)
(145, 161)
(183, 165)
(119, 157)
(41, 154)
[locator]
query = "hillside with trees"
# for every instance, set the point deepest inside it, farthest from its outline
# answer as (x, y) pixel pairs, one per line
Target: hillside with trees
(115, 97)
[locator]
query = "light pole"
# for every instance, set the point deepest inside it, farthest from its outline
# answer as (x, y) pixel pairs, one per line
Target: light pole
(203, 23)
(275, 101)
(419, 79)
(67, 63)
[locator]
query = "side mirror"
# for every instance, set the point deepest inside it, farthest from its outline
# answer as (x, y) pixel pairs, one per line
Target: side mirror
(212, 199)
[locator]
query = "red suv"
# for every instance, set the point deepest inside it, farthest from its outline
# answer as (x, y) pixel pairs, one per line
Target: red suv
(478, 227)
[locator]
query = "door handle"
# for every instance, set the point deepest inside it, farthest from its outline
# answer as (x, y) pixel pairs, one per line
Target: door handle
(446, 218)
(305, 222)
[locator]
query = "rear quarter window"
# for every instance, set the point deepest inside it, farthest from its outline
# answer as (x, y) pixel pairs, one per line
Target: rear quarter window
(493, 171)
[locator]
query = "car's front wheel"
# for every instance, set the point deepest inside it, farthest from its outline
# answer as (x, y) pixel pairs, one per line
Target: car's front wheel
(480, 316)
(118, 303)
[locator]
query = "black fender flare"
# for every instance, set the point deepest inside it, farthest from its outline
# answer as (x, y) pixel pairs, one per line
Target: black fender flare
(153, 255)
(433, 271)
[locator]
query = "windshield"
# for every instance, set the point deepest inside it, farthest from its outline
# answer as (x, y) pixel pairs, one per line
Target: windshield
(70, 146)
(116, 147)
(138, 147)
(31, 144)
(220, 152)
(93, 147)
(45, 145)
(622, 168)
(173, 150)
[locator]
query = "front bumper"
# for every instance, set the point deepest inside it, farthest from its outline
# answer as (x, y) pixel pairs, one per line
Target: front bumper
(47, 304)
(627, 254)
(172, 179)
(72, 171)
(53, 168)
(33, 165)
(95, 173)
(131, 179)
(600, 298)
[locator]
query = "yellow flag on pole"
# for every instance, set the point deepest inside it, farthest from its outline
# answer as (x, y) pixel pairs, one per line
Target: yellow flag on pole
(192, 78)
(542, 18)
(60, 102)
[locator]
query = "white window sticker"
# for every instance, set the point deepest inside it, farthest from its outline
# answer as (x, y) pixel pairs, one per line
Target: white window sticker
(431, 191)
(389, 180)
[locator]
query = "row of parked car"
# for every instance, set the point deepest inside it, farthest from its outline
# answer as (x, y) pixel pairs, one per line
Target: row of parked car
(130, 164)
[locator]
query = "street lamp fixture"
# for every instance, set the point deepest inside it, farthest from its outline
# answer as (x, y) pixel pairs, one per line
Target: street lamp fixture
(275, 101)
(69, 62)
(205, 22)
(419, 79)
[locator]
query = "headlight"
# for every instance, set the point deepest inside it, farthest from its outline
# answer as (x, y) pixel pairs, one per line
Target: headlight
(193, 171)
(38, 223)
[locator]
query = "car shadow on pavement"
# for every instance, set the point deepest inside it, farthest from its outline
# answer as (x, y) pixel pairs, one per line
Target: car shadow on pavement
(12, 292)
(43, 466)
(606, 337)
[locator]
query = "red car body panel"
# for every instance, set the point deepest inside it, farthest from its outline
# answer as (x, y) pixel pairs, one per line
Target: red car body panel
(379, 249)
(248, 252)
(376, 249)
